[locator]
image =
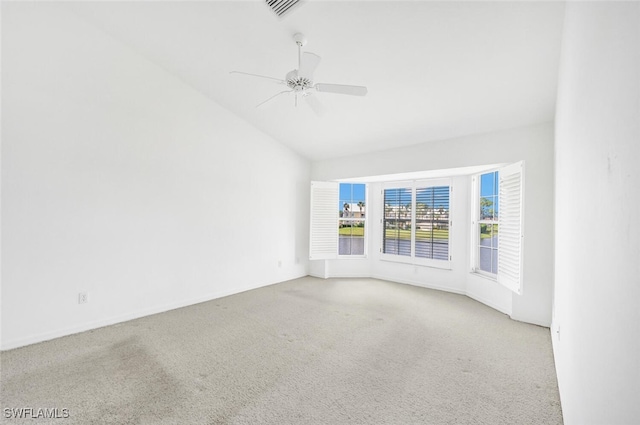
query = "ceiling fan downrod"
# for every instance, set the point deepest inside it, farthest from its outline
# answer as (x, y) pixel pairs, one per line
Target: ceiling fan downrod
(301, 41)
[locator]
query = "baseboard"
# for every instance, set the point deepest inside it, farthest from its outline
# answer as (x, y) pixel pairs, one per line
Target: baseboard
(486, 302)
(420, 284)
(46, 336)
(536, 322)
(350, 275)
(502, 309)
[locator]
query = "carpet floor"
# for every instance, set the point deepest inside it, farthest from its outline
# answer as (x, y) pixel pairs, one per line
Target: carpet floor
(306, 351)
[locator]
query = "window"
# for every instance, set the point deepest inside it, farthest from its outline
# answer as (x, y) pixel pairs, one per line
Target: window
(487, 240)
(337, 222)
(498, 224)
(432, 222)
(351, 225)
(416, 223)
(397, 221)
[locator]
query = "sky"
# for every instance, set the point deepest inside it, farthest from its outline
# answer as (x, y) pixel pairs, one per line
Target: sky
(489, 188)
(489, 184)
(351, 193)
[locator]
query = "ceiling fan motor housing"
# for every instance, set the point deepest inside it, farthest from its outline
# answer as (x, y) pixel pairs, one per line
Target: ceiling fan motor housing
(297, 82)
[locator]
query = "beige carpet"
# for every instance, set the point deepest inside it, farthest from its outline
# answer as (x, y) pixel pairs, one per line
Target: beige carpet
(307, 351)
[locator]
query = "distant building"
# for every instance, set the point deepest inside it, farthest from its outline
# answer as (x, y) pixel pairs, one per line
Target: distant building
(352, 210)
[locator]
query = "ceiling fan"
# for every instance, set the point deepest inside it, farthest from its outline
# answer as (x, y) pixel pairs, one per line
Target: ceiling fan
(300, 81)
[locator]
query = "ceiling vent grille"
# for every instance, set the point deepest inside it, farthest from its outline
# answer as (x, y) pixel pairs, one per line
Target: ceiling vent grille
(280, 7)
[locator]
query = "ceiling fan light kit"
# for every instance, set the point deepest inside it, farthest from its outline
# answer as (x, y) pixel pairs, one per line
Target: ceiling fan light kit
(300, 81)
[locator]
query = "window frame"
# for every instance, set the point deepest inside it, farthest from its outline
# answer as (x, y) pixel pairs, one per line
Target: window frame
(476, 221)
(414, 185)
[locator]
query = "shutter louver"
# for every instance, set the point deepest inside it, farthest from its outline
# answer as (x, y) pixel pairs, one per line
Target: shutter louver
(510, 227)
(323, 240)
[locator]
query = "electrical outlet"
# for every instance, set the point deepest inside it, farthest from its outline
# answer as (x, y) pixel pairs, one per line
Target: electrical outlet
(279, 263)
(555, 328)
(83, 298)
(297, 260)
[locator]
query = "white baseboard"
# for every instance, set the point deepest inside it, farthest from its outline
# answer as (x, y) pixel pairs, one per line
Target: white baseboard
(533, 321)
(501, 308)
(351, 275)
(420, 284)
(495, 306)
(46, 336)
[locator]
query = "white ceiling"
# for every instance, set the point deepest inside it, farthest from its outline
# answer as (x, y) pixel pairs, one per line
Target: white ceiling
(434, 70)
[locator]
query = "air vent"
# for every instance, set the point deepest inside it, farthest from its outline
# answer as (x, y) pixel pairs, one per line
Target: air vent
(281, 7)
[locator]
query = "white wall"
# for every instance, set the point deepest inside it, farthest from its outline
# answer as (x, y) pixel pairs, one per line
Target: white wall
(120, 180)
(534, 145)
(597, 276)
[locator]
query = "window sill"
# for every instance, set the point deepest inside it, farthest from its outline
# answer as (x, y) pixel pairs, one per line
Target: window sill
(484, 275)
(433, 264)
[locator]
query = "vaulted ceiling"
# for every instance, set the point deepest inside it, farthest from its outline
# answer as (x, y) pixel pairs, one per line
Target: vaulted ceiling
(434, 70)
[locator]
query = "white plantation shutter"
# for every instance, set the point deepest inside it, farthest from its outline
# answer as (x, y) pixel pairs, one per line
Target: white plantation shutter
(510, 226)
(323, 239)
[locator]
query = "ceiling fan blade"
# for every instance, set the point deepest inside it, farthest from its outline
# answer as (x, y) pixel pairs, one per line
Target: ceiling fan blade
(308, 64)
(273, 97)
(256, 75)
(315, 104)
(341, 89)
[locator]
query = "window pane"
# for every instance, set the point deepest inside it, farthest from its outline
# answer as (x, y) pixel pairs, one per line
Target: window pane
(488, 195)
(485, 259)
(494, 236)
(344, 240)
(345, 208)
(494, 261)
(358, 201)
(432, 223)
(485, 234)
(486, 207)
(496, 207)
(351, 237)
(397, 237)
(397, 222)
(487, 184)
(493, 207)
(351, 208)
(344, 199)
(488, 230)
